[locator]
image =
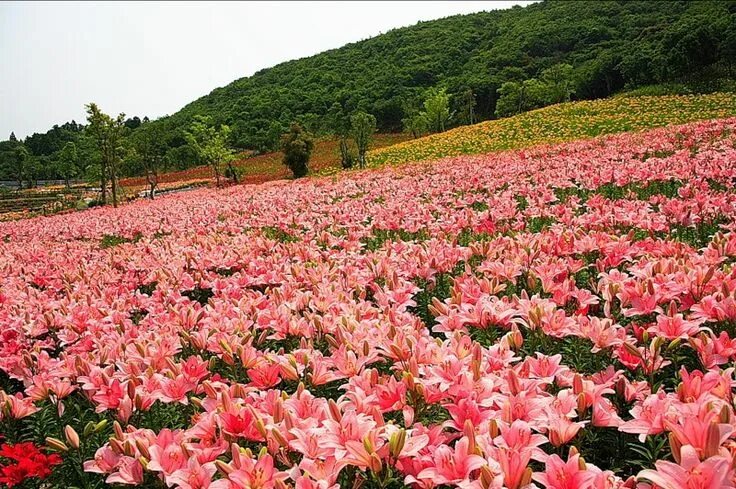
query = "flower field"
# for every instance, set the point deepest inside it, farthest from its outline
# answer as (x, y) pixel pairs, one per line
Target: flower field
(562, 122)
(562, 316)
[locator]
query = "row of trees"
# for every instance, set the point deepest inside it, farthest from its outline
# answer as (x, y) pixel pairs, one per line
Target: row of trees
(555, 85)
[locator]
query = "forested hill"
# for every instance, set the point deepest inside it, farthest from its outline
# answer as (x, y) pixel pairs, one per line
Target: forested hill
(609, 44)
(603, 47)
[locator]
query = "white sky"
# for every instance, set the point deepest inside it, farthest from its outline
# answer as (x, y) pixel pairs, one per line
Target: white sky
(154, 58)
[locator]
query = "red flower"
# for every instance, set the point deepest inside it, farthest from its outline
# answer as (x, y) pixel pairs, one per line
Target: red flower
(29, 462)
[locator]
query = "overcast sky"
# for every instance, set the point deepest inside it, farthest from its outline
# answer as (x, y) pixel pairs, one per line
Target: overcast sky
(153, 58)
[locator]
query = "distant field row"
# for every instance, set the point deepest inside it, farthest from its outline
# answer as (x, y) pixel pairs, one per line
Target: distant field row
(557, 123)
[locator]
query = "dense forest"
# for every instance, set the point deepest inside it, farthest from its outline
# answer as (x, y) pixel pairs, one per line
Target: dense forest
(487, 64)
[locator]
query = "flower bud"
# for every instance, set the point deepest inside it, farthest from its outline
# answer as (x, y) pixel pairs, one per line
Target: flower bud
(334, 410)
(119, 434)
(101, 426)
(675, 447)
(223, 467)
(276, 434)
(526, 477)
(142, 448)
(712, 440)
(72, 438)
(115, 445)
(56, 444)
(486, 477)
(493, 428)
(396, 442)
(631, 349)
(577, 384)
(376, 464)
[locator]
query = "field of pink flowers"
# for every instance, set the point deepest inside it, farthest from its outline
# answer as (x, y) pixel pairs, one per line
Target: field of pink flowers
(558, 317)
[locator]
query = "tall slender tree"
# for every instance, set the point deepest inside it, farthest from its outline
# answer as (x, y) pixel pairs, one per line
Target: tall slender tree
(108, 134)
(210, 145)
(67, 162)
(467, 106)
(362, 127)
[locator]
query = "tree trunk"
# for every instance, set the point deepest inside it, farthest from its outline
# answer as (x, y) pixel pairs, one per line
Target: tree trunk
(152, 183)
(216, 168)
(232, 172)
(103, 183)
(114, 182)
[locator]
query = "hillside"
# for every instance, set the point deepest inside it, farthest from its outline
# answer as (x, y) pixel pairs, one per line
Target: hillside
(562, 122)
(603, 48)
(610, 45)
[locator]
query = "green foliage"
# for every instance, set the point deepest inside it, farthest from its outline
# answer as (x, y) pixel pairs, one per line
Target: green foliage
(481, 51)
(67, 161)
(347, 157)
(15, 160)
(466, 107)
(277, 234)
(517, 97)
(107, 132)
(209, 143)
(297, 146)
(362, 127)
(110, 240)
(199, 294)
(382, 236)
(560, 83)
(415, 124)
(437, 110)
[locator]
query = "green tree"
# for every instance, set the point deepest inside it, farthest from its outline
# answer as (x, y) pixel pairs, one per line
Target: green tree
(337, 122)
(32, 167)
(150, 150)
(22, 165)
(347, 158)
(515, 97)
(362, 127)
(437, 109)
(560, 82)
(509, 99)
(67, 162)
(108, 134)
(467, 106)
(13, 159)
(297, 146)
(415, 124)
(210, 145)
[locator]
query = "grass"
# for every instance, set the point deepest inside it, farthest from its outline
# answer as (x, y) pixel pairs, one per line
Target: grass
(558, 123)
